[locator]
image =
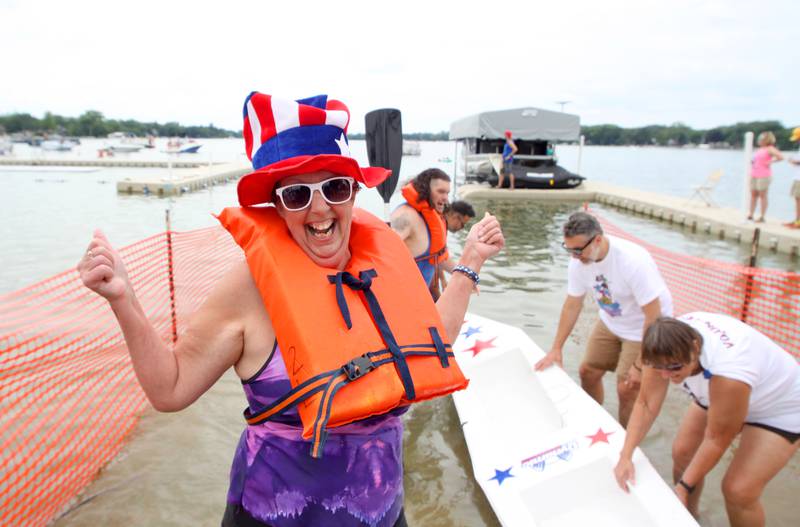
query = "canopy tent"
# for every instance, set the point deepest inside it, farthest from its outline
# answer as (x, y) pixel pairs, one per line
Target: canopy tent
(531, 124)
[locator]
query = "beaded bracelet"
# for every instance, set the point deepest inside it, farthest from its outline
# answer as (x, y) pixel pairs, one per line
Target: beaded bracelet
(472, 275)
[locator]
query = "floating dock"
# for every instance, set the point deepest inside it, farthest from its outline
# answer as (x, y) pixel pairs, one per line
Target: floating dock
(723, 222)
(103, 163)
(175, 182)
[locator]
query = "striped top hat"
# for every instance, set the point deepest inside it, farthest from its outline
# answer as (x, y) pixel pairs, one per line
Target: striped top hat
(285, 138)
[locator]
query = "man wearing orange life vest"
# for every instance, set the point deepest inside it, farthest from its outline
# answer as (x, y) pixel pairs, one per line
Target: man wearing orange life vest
(421, 225)
(325, 310)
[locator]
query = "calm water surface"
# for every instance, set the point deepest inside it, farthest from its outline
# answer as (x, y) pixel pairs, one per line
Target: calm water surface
(174, 471)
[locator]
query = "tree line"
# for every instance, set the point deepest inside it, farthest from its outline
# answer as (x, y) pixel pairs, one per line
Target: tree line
(679, 134)
(93, 124)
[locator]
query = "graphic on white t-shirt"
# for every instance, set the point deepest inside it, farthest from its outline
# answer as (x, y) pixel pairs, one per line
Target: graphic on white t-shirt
(604, 298)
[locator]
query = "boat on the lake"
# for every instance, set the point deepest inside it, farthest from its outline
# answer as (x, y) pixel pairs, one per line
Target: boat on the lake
(177, 146)
(411, 148)
(534, 131)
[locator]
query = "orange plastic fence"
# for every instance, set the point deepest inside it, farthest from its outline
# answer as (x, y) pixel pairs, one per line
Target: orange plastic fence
(767, 299)
(68, 394)
(69, 397)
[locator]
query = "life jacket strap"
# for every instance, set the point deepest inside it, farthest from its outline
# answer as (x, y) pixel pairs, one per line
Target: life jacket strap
(440, 348)
(433, 257)
(364, 284)
(332, 381)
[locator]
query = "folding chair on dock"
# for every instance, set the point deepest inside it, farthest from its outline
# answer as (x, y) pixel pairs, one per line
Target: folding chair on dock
(704, 190)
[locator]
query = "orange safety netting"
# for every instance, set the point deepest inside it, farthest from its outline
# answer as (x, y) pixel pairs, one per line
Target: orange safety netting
(767, 299)
(69, 396)
(68, 393)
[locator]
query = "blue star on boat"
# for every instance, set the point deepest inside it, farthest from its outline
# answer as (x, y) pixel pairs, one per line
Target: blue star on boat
(471, 331)
(502, 475)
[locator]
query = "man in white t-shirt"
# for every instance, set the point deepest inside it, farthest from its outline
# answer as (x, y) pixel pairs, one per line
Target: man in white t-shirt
(743, 384)
(625, 282)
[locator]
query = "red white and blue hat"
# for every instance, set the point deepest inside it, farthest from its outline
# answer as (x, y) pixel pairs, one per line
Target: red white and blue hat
(285, 138)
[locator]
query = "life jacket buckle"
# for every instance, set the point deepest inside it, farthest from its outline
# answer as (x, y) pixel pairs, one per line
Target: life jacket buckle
(358, 367)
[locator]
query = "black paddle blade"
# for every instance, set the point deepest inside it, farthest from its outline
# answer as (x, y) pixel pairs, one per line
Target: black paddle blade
(384, 134)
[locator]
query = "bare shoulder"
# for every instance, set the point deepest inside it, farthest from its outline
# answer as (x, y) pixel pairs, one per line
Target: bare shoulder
(405, 219)
(401, 213)
(245, 311)
(236, 292)
(400, 220)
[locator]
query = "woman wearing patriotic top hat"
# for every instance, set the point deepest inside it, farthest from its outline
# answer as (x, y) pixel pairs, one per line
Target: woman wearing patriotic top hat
(327, 323)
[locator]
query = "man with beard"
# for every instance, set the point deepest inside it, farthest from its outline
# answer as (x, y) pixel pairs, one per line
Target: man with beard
(420, 222)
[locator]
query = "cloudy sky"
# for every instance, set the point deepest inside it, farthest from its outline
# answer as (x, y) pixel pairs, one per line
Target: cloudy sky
(631, 63)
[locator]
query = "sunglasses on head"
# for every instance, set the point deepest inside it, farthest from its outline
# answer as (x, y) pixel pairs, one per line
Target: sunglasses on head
(335, 191)
(577, 251)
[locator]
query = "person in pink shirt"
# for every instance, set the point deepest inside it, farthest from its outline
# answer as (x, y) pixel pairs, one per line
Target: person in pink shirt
(761, 172)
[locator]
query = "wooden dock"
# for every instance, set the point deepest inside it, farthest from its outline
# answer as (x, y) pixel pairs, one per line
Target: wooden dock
(722, 222)
(180, 181)
(103, 163)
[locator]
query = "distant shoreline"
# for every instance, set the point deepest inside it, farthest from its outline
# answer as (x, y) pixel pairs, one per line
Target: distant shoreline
(94, 124)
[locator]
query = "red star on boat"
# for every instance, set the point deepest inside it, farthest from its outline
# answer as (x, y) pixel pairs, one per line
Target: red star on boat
(481, 345)
(599, 436)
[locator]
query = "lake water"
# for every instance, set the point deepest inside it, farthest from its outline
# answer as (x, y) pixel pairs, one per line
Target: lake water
(174, 471)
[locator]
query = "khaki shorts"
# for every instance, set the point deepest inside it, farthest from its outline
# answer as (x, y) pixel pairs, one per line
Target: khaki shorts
(760, 184)
(796, 189)
(606, 351)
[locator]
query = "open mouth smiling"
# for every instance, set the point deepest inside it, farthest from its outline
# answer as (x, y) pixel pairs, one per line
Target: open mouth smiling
(322, 229)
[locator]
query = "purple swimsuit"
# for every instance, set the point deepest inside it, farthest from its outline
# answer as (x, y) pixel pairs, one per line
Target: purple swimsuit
(357, 482)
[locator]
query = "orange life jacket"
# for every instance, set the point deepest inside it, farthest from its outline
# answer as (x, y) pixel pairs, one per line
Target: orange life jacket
(436, 224)
(356, 343)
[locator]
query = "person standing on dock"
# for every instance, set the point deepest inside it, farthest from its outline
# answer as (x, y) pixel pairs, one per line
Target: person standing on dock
(420, 223)
(761, 173)
(742, 384)
(795, 192)
(631, 294)
(509, 149)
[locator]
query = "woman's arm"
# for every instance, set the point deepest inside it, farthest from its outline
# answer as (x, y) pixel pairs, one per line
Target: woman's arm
(647, 407)
(729, 402)
(776, 154)
(485, 239)
(212, 343)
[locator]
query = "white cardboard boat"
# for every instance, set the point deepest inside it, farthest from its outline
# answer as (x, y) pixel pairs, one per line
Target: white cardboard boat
(542, 450)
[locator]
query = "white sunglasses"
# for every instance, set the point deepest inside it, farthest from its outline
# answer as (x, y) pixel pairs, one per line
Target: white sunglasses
(335, 191)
